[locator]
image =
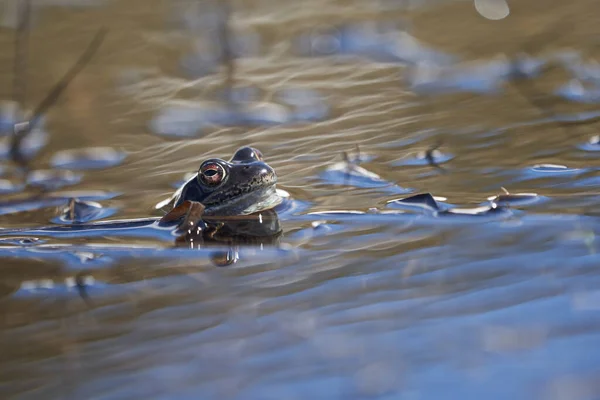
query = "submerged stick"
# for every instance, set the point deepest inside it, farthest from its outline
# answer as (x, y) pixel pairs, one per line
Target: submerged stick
(21, 130)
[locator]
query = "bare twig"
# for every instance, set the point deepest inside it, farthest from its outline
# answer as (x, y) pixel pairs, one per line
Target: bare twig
(23, 129)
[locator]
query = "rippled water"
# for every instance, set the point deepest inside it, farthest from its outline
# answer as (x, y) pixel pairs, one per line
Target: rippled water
(363, 295)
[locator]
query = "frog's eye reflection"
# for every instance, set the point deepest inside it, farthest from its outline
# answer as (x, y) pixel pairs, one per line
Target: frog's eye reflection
(211, 174)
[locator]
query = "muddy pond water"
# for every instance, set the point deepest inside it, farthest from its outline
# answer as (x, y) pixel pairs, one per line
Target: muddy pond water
(347, 292)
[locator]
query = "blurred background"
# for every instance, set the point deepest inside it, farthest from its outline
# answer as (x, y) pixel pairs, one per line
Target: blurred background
(458, 98)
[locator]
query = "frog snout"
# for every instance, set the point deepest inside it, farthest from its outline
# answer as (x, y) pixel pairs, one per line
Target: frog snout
(259, 172)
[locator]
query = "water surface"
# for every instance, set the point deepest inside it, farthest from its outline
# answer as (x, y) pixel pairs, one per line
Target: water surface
(370, 304)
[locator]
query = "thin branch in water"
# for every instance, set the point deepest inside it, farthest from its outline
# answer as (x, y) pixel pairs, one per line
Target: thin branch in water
(23, 129)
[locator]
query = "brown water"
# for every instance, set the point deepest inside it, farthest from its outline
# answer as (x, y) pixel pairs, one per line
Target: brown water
(364, 306)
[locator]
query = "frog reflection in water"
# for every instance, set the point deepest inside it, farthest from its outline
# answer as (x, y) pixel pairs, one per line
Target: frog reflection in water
(223, 191)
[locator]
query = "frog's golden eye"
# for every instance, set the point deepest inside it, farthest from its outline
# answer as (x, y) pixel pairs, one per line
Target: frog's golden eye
(211, 173)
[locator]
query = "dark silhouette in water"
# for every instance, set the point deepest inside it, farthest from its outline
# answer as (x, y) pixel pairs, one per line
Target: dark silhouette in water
(261, 228)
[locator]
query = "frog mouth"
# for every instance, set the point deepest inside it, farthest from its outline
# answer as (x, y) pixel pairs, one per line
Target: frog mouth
(248, 202)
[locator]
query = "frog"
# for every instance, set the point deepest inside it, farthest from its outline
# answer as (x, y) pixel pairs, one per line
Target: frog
(244, 185)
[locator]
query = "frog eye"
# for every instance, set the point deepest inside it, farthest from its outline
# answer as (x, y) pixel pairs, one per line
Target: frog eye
(211, 174)
(259, 155)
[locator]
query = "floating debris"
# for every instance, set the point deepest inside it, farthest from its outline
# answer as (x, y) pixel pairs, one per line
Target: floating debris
(421, 201)
(88, 158)
(515, 199)
(593, 144)
(428, 203)
(555, 169)
(78, 211)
